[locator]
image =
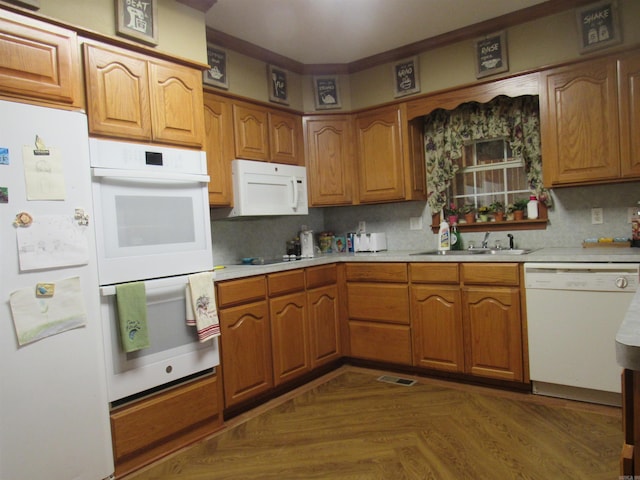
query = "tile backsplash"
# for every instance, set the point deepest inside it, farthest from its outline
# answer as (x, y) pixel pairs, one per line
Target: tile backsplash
(569, 224)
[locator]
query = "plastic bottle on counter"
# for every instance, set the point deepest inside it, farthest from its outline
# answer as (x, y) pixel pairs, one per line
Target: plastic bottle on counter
(456, 239)
(444, 236)
(532, 208)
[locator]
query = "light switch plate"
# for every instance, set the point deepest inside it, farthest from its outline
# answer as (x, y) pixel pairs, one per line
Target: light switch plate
(597, 216)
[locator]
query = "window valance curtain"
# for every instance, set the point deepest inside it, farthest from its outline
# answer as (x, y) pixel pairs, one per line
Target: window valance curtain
(515, 119)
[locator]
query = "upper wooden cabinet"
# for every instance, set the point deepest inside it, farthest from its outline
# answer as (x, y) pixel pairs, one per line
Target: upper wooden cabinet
(629, 94)
(329, 152)
(387, 166)
(218, 132)
(286, 138)
(588, 116)
(39, 61)
(579, 123)
(267, 135)
(136, 97)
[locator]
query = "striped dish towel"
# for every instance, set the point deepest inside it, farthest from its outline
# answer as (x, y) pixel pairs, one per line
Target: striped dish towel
(201, 298)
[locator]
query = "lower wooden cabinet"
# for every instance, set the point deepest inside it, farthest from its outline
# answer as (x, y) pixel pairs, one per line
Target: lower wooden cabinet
(245, 337)
(245, 333)
(437, 327)
(290, 337)
(466, 318)
(324, 324)
(492, 320)
(378, 309)
(493, 332)
(380, 342)
(150, 428)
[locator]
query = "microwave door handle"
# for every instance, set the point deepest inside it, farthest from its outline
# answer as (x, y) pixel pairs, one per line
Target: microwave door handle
(149, 175)
(294, 184)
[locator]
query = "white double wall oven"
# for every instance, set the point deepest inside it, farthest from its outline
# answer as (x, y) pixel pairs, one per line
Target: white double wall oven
(152, 225)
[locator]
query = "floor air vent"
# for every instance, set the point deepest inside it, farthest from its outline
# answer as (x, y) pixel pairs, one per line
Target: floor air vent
(396, 380)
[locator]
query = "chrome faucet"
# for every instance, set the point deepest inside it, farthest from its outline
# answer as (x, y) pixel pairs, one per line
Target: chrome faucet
(485, 240)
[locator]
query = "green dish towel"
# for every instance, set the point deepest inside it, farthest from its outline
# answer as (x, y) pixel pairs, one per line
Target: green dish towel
(132, 314)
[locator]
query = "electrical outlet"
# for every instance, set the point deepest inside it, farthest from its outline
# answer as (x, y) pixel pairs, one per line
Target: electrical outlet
(415, 223)
(631, 211)
(597, 216)
(362, 226)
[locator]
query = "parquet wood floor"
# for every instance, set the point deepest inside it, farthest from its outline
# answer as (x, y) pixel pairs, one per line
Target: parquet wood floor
(349, 426)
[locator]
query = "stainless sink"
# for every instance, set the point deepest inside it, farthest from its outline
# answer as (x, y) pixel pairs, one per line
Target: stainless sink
(476, 251)
(512, 251)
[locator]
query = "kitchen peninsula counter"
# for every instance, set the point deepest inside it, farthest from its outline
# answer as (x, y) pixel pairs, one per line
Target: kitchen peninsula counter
(575, 254)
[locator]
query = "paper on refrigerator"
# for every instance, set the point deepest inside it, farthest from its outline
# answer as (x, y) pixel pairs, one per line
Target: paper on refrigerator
(39, 317)
(52, 241)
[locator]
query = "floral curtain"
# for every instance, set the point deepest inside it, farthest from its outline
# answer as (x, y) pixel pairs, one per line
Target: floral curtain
(515, 119)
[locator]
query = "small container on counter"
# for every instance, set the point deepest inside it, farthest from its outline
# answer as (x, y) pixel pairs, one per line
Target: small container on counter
(350, 239)
(325, 242)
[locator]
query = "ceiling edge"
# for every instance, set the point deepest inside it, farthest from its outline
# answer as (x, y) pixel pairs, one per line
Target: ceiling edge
(547, 8)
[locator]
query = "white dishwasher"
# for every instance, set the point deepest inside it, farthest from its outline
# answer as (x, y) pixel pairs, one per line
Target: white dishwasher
(573, 313)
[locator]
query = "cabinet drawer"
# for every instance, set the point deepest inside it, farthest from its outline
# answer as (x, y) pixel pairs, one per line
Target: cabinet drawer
(164, 422)
(285, 282)
(434, 273)
(377, 272)
(245, 290)
(375, 341)
(378, 302)
(490, 273)
(322, 275)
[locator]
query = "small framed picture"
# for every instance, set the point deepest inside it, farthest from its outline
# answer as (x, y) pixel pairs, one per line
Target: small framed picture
(278, 88)
(491, 54)
(217, 73)
(138, 20)
(598, 25)
(406, 77)
(327, 92)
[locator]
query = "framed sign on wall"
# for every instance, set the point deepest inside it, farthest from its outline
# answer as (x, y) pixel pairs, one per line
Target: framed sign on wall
(491, 54)
(326, 90)
(406, 79)
(598, 26)
(138, 19)
(216, 75)
(278, 88)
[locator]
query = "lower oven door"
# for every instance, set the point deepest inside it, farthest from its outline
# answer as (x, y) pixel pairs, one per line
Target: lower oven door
(175, 351)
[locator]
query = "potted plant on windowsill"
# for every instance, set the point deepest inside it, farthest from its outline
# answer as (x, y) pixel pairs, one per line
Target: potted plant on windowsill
(451, 213)
(497, 208)
(483, 213)
(468, 210)
(518, 208)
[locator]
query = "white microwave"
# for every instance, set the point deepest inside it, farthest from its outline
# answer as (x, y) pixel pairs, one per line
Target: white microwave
(262, 188)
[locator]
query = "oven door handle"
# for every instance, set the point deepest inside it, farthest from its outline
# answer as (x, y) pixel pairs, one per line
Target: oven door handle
(109, 290)
(149, 175)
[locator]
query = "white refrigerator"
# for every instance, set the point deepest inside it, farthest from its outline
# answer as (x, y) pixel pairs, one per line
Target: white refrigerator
(54, 412)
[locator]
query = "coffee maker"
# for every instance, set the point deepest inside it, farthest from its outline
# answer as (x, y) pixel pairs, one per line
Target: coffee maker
(306, 243)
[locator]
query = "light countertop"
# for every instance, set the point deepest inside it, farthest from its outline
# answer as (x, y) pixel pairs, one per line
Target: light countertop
(628, 337)
(577, 254)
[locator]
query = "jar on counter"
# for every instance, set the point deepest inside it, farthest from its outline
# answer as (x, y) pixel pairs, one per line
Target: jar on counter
(325, 241)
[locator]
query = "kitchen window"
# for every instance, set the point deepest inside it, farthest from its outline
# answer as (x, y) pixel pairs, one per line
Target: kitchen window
(488, 172)
(481, 151)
